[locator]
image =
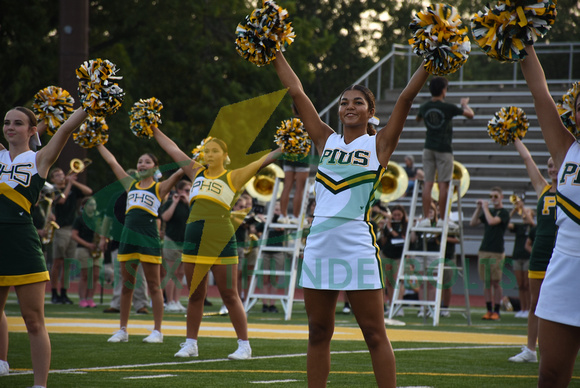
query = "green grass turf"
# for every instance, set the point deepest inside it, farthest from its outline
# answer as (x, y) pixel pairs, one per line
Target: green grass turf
(89, 361)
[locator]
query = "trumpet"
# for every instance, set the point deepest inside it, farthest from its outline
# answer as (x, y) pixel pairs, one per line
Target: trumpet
(77, 166)
(514, 199)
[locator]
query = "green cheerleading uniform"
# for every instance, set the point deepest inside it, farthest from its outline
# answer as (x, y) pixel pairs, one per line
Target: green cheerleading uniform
(545, 234)
(140, 236)
(21, 258)
(209, 235)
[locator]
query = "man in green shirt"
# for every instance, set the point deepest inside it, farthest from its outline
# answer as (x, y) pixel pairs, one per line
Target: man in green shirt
(491, 255)
(438, 151)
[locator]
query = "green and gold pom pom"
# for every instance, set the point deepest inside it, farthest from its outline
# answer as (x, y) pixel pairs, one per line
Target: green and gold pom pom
(265, 31)
(98, 90)
(507, 125)
(145, 114)
(199, 151)
(440, 38)
(567, 110)
(293, 139)
(504, 31)
(93, 132)
(53, 105)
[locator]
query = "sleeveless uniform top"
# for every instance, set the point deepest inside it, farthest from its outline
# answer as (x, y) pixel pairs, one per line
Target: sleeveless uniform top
(558, 301)
(209, 235)
(20, 187)
(341, 251)
(568, 201)
(546, 228)
(214, 197)
(347, 177)
(21, 257)
(144, 198)
(140, 236)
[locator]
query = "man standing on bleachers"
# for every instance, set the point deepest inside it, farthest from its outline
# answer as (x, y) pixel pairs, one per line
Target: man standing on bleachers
(438, 151)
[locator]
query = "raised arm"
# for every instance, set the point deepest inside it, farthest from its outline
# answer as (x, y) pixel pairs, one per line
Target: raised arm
(166, 186)
(112, 162)
(242, 175)
(467, 111)
(189, 166)
(557, 137)
(388, 137)
(538, 181)
(317, 129)
(46, 157)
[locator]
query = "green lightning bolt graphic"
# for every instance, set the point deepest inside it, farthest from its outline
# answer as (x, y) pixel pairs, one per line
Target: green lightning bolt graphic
(237, 125)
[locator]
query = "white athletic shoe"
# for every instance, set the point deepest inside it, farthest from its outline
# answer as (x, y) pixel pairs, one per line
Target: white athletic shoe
(525, 356)
(424, 223)
(244, 351)
(223, 310)
(4, 368)
(154, 338)
(180, 307)
(171, 307)
(444, 313)
(187, 350)
(119, 336)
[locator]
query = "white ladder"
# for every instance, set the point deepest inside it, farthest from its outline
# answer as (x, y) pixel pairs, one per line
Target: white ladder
(432, 306)
(293, 242)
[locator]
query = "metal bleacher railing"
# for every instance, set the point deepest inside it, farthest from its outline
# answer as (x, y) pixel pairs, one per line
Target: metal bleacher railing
(488, 163)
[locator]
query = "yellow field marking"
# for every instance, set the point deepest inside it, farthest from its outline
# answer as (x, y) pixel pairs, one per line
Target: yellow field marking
(266, 331)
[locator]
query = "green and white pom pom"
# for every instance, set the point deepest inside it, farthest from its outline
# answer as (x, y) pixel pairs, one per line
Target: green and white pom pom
(440, 38)
(93, 132)
(98, 90)
(199, 151)
(504, 31)
(262, 33)
(567, 110)
(507, 125)
(145, 114)
(53, 105)
(293, 139)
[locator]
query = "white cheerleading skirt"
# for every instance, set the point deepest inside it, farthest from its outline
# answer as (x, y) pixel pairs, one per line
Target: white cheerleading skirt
(341, 254)
(559, 300)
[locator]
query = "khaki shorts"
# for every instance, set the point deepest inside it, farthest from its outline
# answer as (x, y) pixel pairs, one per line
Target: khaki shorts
(171, 251)
(440, 162)
(521, 265)
(83, 256)
(276, 257)
(490, 266)
(63, 246)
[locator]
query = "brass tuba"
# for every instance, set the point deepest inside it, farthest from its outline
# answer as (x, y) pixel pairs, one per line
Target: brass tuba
(461, 174)
(394, 183)
(261, 186)
(47, 196)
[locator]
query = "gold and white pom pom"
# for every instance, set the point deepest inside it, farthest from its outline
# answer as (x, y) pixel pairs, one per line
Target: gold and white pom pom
(53, 105)
(145, 114)
(440, 37)
(508, 124)
(99, 92)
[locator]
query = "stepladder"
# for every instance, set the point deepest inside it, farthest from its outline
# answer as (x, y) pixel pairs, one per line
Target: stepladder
(269, 281)
(428, 263)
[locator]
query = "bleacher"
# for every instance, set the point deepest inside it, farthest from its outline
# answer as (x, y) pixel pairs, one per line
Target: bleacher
(489, 164)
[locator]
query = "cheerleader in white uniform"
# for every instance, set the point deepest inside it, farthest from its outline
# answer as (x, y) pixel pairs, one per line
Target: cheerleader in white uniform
(558, 306)
(341, 251)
